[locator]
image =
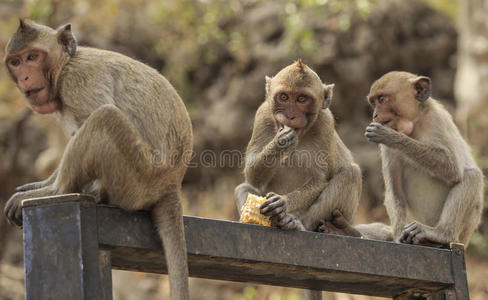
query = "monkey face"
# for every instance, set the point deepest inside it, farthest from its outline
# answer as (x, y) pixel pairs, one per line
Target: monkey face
(35, 55)
(297, 95)
(27, 70)
(293, 108)
(389, 113)
(396, 99)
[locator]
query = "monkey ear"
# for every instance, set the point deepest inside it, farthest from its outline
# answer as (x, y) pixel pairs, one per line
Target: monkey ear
(67, 39)
(22, 25)
(268, 85)
(422, 88)
(328, 92)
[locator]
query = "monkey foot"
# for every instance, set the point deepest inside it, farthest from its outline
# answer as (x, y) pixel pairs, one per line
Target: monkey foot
(419, 234)
(337, 224)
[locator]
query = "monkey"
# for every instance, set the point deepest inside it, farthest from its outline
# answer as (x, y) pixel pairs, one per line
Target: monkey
(296, 158)
(433, 186)
(129, 131)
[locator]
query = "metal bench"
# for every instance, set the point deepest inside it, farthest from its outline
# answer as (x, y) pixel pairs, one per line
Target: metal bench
(71, 245)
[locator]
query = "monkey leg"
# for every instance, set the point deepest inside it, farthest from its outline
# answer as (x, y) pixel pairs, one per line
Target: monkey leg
(375, 231)
(342, 192)
(167, 216)
(240, 194)
(460, 215)
(112, 152)
(337, 224)
(116, 155)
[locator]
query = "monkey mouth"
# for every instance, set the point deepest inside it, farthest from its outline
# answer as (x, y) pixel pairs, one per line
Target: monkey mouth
(33, 92)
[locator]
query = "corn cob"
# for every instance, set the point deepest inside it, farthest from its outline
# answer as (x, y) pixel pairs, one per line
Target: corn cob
(250, 211)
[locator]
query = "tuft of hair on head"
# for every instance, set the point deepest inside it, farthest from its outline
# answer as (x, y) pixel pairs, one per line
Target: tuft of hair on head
(300, 65)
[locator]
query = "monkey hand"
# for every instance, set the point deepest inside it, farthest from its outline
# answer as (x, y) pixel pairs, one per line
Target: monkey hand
(336, 223)
(274, 207)
(420, 234)
(286, 138)
(13, 209)
(378, 133)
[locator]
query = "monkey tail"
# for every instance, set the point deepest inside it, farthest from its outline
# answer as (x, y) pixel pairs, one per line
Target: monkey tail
(167, 217)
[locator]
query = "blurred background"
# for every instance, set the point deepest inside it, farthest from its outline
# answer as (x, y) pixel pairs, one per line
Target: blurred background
(216, 54)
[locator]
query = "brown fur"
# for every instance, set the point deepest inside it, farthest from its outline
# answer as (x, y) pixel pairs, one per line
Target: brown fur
(311, 192)
(130, 134)
(299, 196)
(430, 175)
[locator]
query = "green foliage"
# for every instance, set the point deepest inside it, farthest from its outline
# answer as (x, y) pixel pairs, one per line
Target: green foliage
(302, 15)
(448, 7)
(39, 10)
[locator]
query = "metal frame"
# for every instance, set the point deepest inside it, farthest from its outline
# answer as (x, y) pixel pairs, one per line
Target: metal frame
(71, 244)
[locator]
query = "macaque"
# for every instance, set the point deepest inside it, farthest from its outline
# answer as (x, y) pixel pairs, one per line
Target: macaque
(129, 131)
(295, 157)
(434, 189)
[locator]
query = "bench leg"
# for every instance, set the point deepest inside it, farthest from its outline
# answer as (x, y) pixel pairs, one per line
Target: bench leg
(460, 289)
(61, 253)
(458, 263)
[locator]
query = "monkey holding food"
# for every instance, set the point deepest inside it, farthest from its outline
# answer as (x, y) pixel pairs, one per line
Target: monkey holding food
(129, 131)
(430, 174)
(295, 157)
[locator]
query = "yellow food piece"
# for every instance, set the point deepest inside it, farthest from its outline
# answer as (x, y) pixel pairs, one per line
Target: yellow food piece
(250, 211)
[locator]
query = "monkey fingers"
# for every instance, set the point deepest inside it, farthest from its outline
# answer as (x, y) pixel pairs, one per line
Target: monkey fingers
(326, 227)
(287, 222)
(13, 209)
(376, 132)
(410, 232)
(30, 186)
(273, 206)
(275, 220)
(287, 138)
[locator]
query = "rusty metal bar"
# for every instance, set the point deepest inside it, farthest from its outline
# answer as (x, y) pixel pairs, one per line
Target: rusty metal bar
(233, 251)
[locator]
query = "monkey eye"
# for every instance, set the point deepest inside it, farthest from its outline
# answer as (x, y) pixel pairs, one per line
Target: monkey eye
(302, 98)
(14, 62)
(283, 97)
(32, 56)
(381, 98)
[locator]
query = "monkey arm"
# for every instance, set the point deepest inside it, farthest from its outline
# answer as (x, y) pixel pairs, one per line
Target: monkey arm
(260, 166)
(328, 194)
(395, 202)
(435, 159)
(460, 215)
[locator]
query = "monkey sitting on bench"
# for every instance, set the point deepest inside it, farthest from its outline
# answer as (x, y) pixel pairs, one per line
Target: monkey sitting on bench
(295, 119)
(295, 157)
(430, 174)
(129, 129)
